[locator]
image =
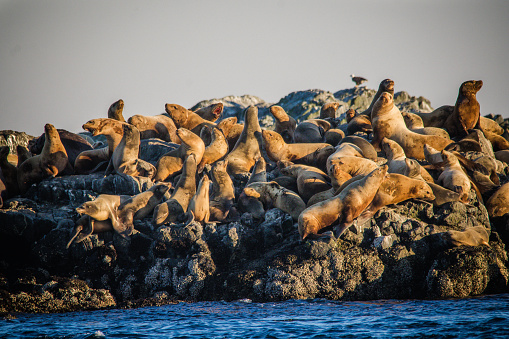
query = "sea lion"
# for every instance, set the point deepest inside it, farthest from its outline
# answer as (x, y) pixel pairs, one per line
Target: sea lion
(248, 203)
(472, 236)
(115, 110)
(216, 149)
(344, 150)
(247, 149)
(141, 205)
(338, 178)
(498, 142)
(388, 122)
(489, 125)
(385, 86)
(498, 204)
(184, 118)
(359, 123)
(86, 226)
(354, 165)
(9, 172)
(334, 136)
(124, 159)
(311, 131)
(399, 163)
(172, 162)
(211, 112)
(259, 173)
(158, 126)
(105, 207)
(223, 191)
(502, 156)
(310, 180)
(270, 193)
(51, 162)
(394, 189)
(174, 209)
(23, 154)
(478, 135)
(437, 117)
(285, 124)
(368, 151)
(466, 113)
(73, 143)
(199, 208)
(231, 130)
(346, 206)
(414, 123)
(329, 110)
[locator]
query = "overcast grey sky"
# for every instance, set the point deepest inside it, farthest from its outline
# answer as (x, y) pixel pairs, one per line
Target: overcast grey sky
(64, 62)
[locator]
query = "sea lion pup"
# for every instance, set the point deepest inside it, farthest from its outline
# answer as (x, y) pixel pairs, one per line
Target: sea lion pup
(86, 226)
(368, 151)
(388, 122)
(124, 159)
(466, 113)
(498, 204)
(184, 118)
(175, 208)
(73, 143)
(385, 86)
(285, 124)
(311, 131)
(172, 162)
(472, 236)
(359, 123)
(141, 205)
(9, 172)
(278, 150)
(112, 129)
(199, 208)
(158, 126)
(414, 123)
(211, 112)
(346, 206)
(23, 154)
(222, 195)
(334, 136)
(115, 110)
(216, 149)
(105, 207)
(394, 189)
(271, 194)
(328, 110)
(247, 149)
(310, 180)
(51, 162)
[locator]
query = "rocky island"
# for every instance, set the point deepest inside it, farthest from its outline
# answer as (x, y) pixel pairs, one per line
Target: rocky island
(414, 248)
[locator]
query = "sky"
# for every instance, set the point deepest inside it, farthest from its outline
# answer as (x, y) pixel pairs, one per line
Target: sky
(64, 62)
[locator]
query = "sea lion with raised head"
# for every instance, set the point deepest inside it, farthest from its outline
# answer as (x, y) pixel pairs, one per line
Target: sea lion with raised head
(105, 207)
(285, 124)
(184, 118)
(115, 110)
(211, 112)
(199, 206)
(385, 86)
(216, 149)
(157, 126)
(328, 111)
(466, 113)
(223, 191)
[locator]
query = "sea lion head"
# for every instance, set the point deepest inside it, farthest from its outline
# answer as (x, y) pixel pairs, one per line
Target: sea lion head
(279, 113)
(384, 103)
(115, 110)
(217, 110)
(136, 120)
(392, 149)
(328, 110)
(412, 120)
(424, 191)
(350, 114)
(387, 85)
(169, 211)
(89, 208)
(178, 113)
(272, 138)
(225, 125)
(185, 135)
(470, 87)
(220, 166)
(160, 189)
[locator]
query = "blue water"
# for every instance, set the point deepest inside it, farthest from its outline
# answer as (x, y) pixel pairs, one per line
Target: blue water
(482, 317)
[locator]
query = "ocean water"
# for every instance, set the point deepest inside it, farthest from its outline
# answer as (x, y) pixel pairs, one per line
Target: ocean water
(481, 317)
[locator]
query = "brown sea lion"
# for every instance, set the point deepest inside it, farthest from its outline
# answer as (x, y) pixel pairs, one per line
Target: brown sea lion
(310, 180)
(399, 163)
(124, 159)
(9, 172)
(334, 136)
(216, 149)
(388, 122)
(174, 209)
(436, 118)
(23, 154)
(248, 203)
(271, 194)
(498, 204)
(329, 110)
(338, 178)
(472, 236)
(368, 151)
(359, 123)
(285, 124)
(86, 226)
(51, 162)
(158, 126)
(172, 162)
(247, 149)
(414, 123)
(466, 113)
(211, 112)
(115, 110)
(354, 165)
(231, 130)
(184, 118)
(498, 142)
(385, 86)
(311, 131)
(105, 207)
(259, 173)
(223, 191)
(199, 207)
(489, 125)
(344, 150)
(346, 206)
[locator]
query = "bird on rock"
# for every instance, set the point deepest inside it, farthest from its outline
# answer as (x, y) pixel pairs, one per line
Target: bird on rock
(358, 80)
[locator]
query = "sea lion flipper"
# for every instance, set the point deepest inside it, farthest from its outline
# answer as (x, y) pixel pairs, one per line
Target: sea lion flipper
(189, 218)
(74, 234)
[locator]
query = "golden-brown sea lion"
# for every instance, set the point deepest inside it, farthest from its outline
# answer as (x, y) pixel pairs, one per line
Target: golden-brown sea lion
(223, 191)
(105, 207)
(9, 172)
(399, 163)
(311, 131)
(359, 123)
(216, 149)
(354, 165)
(51, 162)
(199, 207)
(386, 86)
(498, 142)
(175, 208)
(337, 177)
(344, 150)
(310, 180)
(157, 126)
(466, 114)
(472, 236)
(285, 124)
(184, 118)
(86, 226)
(346, 206)
(247, 149)
(414, 123)
(498, 204)
(368, 151)
(436, 118)
(231, 130)
(328, 110)
(172, 162)
(271, 194)
(115, 110)
(124, 159)
(489, 125)
(211, 112)
(388, 122)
